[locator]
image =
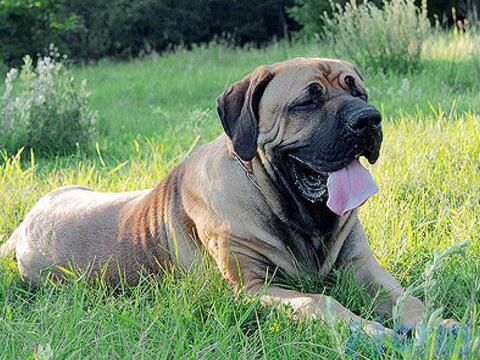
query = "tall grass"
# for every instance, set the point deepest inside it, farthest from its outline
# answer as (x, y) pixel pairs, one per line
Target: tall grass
(388, 38)
(458, 46)
(150, 114)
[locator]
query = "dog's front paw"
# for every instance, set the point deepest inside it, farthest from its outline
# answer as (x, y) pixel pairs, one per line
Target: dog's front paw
(405, 330)
(408, 330)
(372, 329)
(450, 325)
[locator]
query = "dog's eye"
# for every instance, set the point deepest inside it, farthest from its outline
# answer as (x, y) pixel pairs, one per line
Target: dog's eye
(315, 89)
(304, 103)
(359, 94)
(314, 99)
(350, 81)
(363, 97)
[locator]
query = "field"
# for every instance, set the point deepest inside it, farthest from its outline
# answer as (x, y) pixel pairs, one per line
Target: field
(153, 111)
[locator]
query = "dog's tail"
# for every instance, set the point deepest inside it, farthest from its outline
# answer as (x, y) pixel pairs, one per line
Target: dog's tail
(9, 247)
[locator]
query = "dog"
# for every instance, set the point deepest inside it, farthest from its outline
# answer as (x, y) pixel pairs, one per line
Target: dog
(278, 190)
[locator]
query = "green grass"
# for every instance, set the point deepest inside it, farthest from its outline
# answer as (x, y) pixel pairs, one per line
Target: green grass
(152, 112)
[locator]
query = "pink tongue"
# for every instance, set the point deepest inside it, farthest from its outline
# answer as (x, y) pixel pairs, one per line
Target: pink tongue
(350, 187)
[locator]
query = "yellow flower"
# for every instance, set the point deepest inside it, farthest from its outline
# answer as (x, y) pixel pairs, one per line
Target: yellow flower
(275, 328)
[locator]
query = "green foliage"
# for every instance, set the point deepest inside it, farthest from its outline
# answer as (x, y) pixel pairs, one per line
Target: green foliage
(457, 46)
(388, 38)
(29, 26)
(310, 14)
(476, 56)
(152, 112)
(447, 12)
(93, 29)
(41, 109)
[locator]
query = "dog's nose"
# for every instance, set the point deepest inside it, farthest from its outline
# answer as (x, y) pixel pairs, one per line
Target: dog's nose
(359, 116)
(363, 119)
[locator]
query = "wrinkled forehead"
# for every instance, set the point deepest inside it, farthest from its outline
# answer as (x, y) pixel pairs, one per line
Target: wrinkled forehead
(292, 77)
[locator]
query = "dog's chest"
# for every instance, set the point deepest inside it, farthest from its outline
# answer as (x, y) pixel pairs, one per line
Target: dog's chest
(309, 252)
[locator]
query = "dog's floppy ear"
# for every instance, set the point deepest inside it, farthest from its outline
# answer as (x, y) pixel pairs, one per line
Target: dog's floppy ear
(237, 108)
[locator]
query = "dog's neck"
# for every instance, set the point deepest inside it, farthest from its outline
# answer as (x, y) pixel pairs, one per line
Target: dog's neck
(297, 213)
(246, 166)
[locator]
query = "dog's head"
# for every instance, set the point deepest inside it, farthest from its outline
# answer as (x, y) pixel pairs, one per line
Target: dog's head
(309, 116)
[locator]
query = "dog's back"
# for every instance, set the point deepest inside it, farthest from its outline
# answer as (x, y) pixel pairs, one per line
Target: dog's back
(70, 225)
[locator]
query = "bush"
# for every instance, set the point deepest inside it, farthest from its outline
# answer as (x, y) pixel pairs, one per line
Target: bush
(41, 109)
(310, 14)
(92, 29)
(389, 38)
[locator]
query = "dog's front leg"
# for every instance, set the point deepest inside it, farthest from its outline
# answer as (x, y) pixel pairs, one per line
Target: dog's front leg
(317, 306)
(245, 270)
(356, 254)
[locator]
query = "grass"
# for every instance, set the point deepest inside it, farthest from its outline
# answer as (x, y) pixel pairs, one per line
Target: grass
(152, 112)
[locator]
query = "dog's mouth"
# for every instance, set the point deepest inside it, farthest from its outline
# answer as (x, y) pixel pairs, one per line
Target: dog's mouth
(346, 184)
(311, 182)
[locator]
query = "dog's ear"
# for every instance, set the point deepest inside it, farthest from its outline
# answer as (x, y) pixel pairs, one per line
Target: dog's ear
(238, 110)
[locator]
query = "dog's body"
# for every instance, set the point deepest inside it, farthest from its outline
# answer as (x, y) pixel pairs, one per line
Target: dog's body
(232, 200)
(151, 229)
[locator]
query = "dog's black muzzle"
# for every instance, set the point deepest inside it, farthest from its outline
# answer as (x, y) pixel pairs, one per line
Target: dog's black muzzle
(359, 117)
(363, 122)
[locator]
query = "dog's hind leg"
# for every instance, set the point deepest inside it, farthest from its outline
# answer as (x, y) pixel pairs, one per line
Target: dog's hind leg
(10, 245)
